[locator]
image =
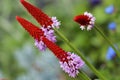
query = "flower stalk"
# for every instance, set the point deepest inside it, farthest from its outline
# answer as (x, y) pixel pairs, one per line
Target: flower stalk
(107, 40)
(84, 76)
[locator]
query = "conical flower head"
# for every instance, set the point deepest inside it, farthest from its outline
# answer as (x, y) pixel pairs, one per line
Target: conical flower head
(37, 33)
(69, 62)
(43, 19)
(85, 20)
(33, 30)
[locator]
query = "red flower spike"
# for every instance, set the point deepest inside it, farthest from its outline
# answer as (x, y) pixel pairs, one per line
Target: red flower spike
(33, 30)
(59, 53)
(69, 62)
(82, 19)
(40, 16)
(85, 20)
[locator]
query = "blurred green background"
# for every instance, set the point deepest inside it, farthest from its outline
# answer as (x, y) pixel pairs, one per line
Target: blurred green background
(21, 60)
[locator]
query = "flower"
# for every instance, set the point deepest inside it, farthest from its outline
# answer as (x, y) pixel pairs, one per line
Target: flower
(109, 9)
(112, 26)
(69, 62)
(37, 33)
(56, 23)
(95, 2)
(84, 20)
(43, 19)
(110, 54)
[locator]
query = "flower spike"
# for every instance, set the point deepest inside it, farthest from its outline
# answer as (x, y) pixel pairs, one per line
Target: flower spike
(33, 30)
(40, 16)
(85, 20)
(43, 19)
(69, 62)
(37, 33)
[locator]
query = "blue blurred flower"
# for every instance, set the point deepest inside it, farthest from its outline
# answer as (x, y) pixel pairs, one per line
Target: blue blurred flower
(112, 26)
(110, 54)
(95, 2)
(109, 9)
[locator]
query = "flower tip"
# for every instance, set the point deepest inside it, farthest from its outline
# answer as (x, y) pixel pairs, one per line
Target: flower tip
(17, 17)
(75, 18)
(22, 1)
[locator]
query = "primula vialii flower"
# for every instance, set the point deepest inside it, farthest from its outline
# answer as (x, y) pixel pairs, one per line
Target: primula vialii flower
(85, 20)
(69, 62)
(37, 33)
(44, 20)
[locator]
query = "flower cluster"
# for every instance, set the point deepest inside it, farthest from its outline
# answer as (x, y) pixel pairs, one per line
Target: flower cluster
(44, 37)
(85, 20)
(73, 64)
(69, 62)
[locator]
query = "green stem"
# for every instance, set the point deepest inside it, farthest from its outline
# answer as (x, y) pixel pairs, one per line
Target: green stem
(79, 53)
(81, 77)
(108, 40)
(85, 77)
